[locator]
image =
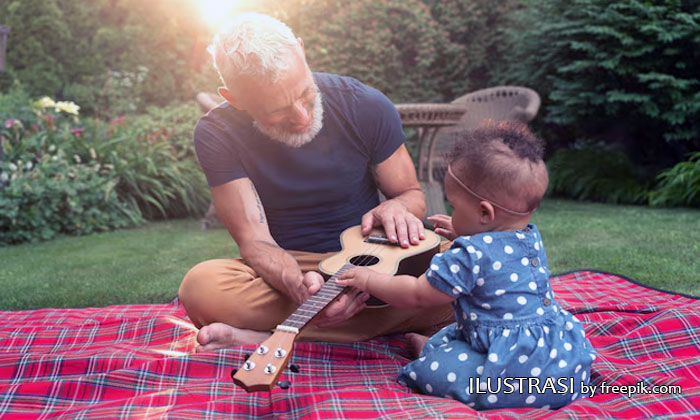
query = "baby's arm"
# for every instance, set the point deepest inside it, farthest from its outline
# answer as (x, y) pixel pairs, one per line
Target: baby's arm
(400, 291)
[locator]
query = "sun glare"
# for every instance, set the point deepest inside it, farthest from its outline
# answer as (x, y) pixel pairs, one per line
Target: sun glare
(215, 12)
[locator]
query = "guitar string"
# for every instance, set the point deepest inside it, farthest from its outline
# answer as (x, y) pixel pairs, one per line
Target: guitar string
(368, 253)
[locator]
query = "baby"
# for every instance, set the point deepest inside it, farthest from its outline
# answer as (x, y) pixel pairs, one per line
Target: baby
(508, 325)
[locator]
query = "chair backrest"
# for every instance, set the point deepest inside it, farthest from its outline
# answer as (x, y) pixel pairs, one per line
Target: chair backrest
(499, 103)
(512, 103)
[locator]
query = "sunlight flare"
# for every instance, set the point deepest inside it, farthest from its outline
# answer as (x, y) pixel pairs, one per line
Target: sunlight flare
(214, 12)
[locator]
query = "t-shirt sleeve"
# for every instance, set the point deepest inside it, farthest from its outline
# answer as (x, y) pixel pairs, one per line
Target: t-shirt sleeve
(454, 271)
(379, 124)
(219, 161)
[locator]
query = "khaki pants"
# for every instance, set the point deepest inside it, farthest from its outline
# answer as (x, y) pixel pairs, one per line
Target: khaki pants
(228, 291)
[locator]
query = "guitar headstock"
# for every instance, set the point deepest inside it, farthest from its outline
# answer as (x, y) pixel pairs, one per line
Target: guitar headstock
(263, 367)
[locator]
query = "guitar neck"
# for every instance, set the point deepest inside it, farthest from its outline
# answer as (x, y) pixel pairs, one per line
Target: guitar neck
(315, 304)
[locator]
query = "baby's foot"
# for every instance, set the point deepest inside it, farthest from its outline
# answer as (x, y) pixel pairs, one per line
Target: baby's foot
(417, 342)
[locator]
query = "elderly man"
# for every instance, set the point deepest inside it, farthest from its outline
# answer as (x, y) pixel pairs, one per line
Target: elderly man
(292, 159)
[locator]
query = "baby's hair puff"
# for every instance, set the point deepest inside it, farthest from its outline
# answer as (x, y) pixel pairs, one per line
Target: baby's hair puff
(502, 160)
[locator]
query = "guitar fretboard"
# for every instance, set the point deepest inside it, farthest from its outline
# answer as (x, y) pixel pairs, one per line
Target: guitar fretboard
(317, 302)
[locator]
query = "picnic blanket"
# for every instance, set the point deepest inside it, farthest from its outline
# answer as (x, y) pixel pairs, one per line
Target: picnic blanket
(139, 362)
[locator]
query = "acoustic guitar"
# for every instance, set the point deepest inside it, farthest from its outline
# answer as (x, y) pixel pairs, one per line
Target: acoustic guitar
(262, 368)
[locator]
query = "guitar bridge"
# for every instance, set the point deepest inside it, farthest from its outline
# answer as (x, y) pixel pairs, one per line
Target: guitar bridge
(381, 240)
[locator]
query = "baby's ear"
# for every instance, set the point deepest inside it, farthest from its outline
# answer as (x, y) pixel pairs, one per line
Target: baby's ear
(488, 214)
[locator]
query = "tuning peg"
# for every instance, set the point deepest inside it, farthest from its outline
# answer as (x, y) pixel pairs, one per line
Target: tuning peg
(233, 372)
(246, 356)
(284, 384)
(294, 367)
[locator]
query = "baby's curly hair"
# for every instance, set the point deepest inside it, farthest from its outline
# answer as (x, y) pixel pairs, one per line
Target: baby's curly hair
(502, 160)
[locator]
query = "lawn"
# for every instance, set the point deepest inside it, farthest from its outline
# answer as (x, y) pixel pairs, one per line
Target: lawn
(657, 247)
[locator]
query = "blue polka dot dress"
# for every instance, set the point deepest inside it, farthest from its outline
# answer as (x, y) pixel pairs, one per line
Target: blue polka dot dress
(508, 326)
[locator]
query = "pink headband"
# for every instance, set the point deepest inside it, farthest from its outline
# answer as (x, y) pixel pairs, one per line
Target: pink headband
(470, 191)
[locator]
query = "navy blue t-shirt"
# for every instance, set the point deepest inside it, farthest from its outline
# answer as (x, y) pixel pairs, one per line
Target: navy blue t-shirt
(311, 193)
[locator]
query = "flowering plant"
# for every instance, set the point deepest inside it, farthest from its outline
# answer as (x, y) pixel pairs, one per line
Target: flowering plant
(60, 106)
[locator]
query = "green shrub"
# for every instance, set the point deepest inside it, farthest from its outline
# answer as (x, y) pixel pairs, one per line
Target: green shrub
(597, 172)
(64, 175)
(680, 185)
(412, 50)
(623, 71)
(370, 41)
(153, 155)
(16, 104)
(85, 50)
(40, 198)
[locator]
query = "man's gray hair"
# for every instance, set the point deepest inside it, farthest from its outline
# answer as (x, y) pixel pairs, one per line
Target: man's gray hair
(253, 44)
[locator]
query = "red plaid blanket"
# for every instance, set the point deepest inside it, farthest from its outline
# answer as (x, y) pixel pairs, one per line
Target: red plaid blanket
(138, 362)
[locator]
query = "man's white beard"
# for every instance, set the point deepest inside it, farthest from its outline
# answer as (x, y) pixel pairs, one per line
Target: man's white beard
(297, 139)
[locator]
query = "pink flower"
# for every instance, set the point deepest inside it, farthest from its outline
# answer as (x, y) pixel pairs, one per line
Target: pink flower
(49, 120)
(12, 122)
(117, 122)
(77, 132)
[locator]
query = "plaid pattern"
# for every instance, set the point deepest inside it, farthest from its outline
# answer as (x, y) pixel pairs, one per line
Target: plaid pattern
(138, 362)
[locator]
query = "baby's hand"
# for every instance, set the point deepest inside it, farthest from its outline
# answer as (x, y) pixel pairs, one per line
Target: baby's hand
(358, 278)
(443, 226)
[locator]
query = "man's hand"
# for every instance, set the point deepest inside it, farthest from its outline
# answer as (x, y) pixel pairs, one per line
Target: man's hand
(399, 224)
(345, 307)
(443, 226)
(300, 287)
(342, 309)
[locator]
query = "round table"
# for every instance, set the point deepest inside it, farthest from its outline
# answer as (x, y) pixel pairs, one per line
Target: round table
(427, 118)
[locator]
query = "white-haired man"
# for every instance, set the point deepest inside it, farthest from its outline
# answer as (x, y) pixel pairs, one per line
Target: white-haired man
(293, 158)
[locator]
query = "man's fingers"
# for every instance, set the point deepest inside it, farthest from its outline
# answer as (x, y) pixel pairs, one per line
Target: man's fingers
(312, 281)
(401, 231)
(342, 310)
(367, 223)
(390, 230)
(358, 304)
(414, 233)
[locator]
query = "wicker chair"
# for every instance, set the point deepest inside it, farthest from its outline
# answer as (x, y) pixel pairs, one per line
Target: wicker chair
(513, 103)
(427, 119)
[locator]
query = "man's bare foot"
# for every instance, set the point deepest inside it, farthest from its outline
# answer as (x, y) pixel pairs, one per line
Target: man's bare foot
(219, 335)
(417, 342)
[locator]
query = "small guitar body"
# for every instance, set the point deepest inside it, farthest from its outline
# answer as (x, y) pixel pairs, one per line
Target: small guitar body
(261, 370)
(377, 253)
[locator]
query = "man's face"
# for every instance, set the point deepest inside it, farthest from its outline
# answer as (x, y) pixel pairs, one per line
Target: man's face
(289, 111)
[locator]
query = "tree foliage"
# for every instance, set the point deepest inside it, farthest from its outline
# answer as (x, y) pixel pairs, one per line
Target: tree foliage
(623, 71)
(412, 50)
(87, 51)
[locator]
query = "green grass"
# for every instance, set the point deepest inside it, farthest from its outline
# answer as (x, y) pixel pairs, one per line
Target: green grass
(658, 247)
(143, 265)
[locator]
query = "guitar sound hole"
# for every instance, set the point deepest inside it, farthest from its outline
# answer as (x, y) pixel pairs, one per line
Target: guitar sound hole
(364, 260)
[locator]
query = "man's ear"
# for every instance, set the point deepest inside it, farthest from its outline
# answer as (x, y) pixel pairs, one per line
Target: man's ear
(226, 94)
(301, 44)
(488, 214)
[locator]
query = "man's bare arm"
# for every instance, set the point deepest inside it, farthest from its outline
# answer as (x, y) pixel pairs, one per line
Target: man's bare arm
(396, 179)
(400, 214)
(240, 209)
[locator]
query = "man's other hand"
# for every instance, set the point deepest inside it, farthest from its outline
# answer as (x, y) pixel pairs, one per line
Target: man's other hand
(342, 309)
(399, 224)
